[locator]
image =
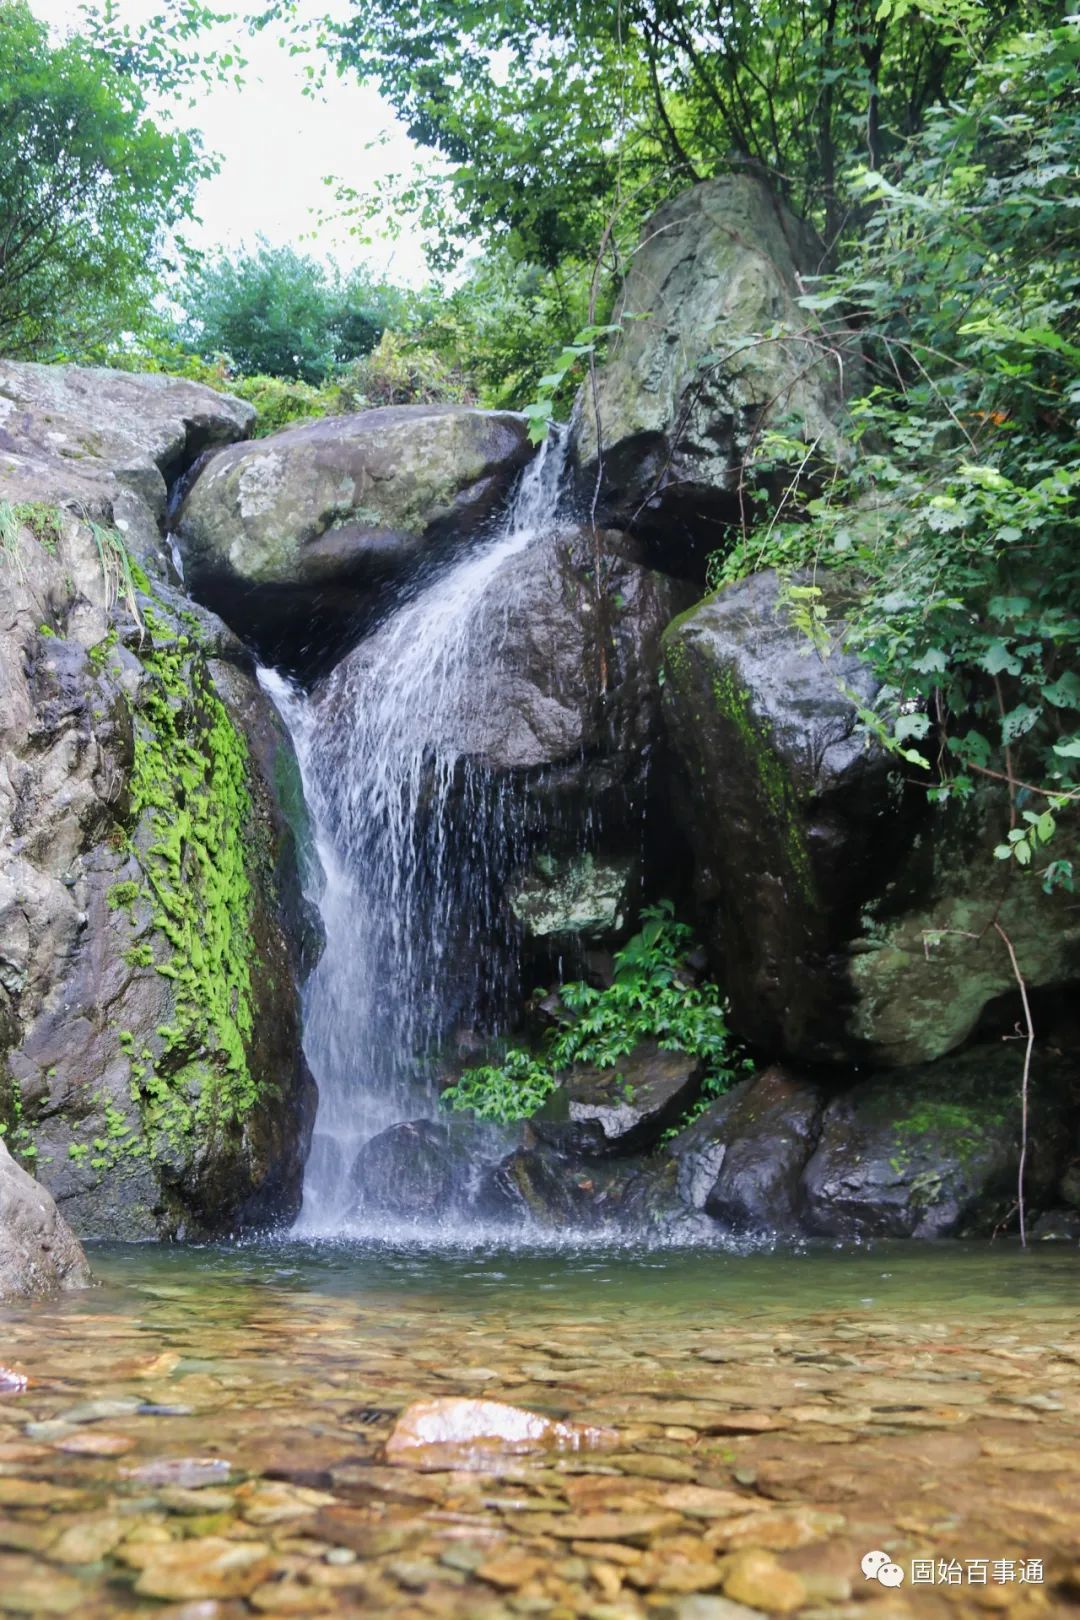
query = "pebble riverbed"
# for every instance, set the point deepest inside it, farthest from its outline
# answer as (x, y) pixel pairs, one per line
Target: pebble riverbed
(202, 1437)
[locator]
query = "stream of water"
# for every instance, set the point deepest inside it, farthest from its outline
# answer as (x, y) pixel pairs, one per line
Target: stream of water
(411, 837)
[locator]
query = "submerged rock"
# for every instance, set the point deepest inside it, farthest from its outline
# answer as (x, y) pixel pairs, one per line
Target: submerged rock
(290, 536)
(39, 1254)
(845, 920)
(148, 995)
(455, 1432)
(935, 1151)
(714, 356)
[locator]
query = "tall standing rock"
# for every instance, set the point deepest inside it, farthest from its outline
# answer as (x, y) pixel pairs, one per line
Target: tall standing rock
(149, 1021)
(713, 352)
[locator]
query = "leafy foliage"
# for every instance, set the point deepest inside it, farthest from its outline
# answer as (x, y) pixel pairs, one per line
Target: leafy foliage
(90, 188)
(653, 996)
(549, 118)
(280, 313)
(959, 518)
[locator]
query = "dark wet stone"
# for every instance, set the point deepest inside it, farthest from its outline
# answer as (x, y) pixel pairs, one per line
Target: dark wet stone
(934, 1151)
(742, 1160)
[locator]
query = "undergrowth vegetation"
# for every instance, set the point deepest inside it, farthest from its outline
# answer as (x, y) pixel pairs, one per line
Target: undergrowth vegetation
(653, 996)
(957, 521)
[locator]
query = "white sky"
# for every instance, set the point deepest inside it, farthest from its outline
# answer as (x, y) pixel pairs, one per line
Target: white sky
(277, 145)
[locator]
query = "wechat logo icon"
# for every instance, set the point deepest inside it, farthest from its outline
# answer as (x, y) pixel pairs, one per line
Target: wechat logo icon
(878, 1566)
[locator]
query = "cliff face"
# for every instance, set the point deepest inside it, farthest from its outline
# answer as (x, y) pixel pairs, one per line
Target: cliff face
(151, 1075)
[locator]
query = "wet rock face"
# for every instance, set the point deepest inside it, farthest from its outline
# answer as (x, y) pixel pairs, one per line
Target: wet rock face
(561, 689)
(417, 1172)
(936, 1152)
(38, 1251)
(716, 360)
(292, 537)
(149, 1039)
(742, 1161)
(844, 921)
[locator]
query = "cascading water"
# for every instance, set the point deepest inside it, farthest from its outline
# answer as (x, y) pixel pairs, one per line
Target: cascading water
(412, 836)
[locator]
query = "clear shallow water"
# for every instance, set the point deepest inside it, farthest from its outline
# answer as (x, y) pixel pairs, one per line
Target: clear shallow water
(792, 1282)
(209, 1427)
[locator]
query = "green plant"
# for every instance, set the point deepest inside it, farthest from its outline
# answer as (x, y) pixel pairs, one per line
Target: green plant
(956, 524)
(652, 997)
(90, 183)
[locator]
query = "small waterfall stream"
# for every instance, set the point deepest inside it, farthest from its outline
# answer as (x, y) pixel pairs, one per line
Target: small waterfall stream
(412, 836)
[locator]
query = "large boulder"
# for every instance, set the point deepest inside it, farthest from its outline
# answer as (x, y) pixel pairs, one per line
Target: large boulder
(290, 537)
(149, 1016)
(547, 1190)
(846, 919)
(111, 442)
(935, 1151)
(547, 682)
(716, 354)
(39, 1254)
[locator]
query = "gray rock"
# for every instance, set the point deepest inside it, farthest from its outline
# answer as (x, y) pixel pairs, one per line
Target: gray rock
(621, 1110)
(543, 1187)
(38, 1252)
(113, 889)
(742, 1161)
(718, 358)
(419, 1172)
(575, 897)
(845, 919)
(111, 441)
(934, 1151)
(300, 529)
(560, 686)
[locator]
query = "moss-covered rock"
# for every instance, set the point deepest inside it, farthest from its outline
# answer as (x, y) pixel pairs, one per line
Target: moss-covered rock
(149, 1069)
(846, 918)
(291, 537)
(935, 1151)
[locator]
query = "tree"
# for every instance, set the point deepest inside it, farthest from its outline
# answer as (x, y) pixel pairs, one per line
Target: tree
(551, 115)
(280, 313)
(90, 189)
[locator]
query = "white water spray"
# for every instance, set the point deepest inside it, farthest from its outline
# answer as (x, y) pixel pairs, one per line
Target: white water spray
(412, 837)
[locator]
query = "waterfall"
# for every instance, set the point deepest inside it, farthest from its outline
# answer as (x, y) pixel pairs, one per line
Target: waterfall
(413, 837)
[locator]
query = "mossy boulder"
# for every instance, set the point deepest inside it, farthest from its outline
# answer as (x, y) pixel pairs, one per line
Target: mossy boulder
(935, 1151)
(292, 537)
(712, 354)
(845, 917)
(150, 1069)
